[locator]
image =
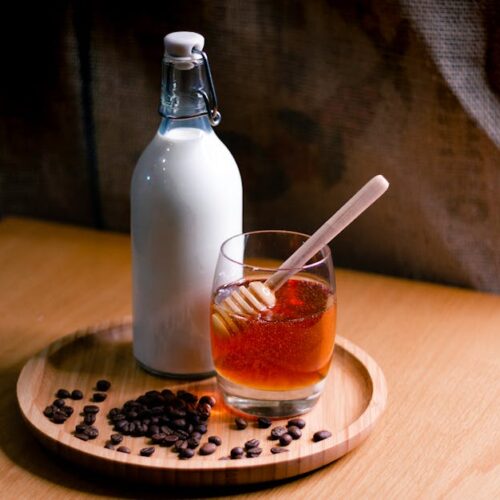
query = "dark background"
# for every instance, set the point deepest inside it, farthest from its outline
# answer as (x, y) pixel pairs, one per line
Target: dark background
(317, 96)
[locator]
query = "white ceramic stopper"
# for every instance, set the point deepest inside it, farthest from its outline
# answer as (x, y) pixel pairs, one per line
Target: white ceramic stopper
(182, 43)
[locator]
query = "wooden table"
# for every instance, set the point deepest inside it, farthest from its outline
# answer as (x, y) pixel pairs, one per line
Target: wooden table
(438, 346)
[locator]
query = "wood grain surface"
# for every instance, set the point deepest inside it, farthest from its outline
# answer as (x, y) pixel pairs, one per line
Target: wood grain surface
(353, 400)
(438, 347)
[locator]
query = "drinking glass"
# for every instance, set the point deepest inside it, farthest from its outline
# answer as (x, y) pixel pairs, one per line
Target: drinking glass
(274, 363)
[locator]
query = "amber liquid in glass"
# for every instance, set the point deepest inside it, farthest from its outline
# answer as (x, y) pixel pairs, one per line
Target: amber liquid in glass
(289, 346)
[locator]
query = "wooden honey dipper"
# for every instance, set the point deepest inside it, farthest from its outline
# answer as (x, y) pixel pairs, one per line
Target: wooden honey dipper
(259, 296)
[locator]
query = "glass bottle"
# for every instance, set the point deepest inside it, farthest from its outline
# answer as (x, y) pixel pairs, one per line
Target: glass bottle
(186, 199)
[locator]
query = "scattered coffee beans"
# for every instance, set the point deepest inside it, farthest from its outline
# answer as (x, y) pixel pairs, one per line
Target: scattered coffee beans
(237, 452)
(215, 440)
(276, 449)
(208, 449)
(76, 394)
(254, 452)
(295, 432)
(67, 410)
(59, 403)
(103, 385)
(320, 435)
(285, 439)
(49, 411)
(263, 422)
(82, 436)
(59, 417)
(116, 438)
(62, 393)
(277, 432)
(147, 452)
(89, 418)
(193, 443)
(240, 423)
(109, 446)
(90, 409)
(210, 400)
(297, 422)
(186, 454)
(123, 449)
(251, 443)
(99, 397)
(91, 431)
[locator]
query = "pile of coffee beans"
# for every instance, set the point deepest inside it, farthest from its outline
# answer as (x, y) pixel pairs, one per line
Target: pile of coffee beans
(177, 420)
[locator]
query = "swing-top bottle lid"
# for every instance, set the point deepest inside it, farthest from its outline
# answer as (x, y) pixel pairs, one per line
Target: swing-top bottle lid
(182, 43)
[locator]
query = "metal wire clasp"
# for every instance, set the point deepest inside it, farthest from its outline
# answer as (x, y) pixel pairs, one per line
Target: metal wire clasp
(210, 101)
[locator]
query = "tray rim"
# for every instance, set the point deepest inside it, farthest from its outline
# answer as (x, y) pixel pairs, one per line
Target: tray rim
(354, 434)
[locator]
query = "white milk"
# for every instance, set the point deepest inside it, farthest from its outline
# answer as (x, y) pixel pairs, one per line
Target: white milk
(186, 200)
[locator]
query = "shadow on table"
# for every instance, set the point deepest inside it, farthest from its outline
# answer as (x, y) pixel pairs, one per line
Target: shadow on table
(21, 447)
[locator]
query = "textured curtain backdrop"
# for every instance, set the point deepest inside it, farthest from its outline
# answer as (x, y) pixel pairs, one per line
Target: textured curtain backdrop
(316, 97)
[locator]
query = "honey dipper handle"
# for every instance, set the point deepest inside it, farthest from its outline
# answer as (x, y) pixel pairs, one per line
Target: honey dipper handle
(367, 195)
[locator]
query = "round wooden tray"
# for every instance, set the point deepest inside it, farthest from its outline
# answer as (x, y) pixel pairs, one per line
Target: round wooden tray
(354, 398)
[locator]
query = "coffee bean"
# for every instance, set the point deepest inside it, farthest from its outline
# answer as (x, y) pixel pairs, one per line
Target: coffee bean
(121, 425)
(90, 409)
(80, 428)
(76, 394)
(91, 432)
(170, 439)
(59, 417)
(208, 400)
(180, 444)
(109, 446)
(49, 411)
(99, 397)
(241, 423)
(187, 396)
(186, 453)
(62, 393)
(166, 430)
(116, 438)
(147, 452)
(276, 449)
(297, 422)
(215, 440)
(123, 449)
(168, 394)
(182, 434)
(237, 452)
(179, 423)
(254, 452)
(320, 435)
(89, 418)
(208, 449)
(285, 440)
(67, 410)
(251, 443)
(201, 428)
(277, 432)
(295, 432)
(197, 435)
(103, 385)
(263, 422)
(193, 443)
(59, 403)
(82, 436)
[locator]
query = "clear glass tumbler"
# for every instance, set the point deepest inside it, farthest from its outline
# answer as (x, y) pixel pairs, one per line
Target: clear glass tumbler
(274, 363)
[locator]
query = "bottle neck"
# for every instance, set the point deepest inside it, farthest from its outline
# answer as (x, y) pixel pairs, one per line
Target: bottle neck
(184, 84)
